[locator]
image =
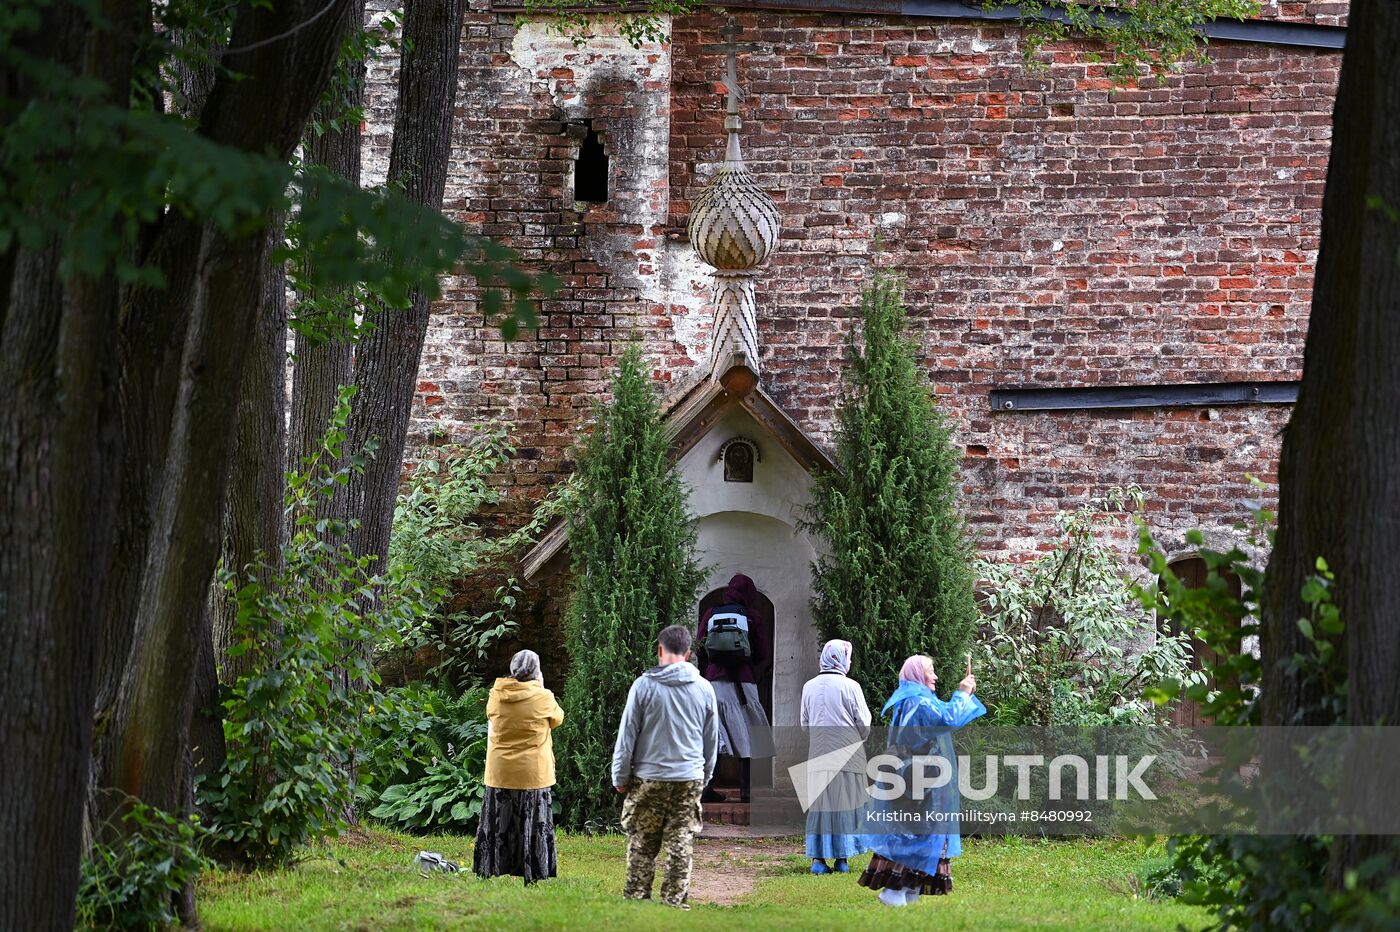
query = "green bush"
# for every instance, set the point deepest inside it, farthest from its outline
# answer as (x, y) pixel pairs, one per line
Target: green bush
(898, 576)
(634, 574)
(1057, 646)
(425, 758)
(439, 539)
(445, 799)
(1265, 882)
(134, 884)
(293, 723)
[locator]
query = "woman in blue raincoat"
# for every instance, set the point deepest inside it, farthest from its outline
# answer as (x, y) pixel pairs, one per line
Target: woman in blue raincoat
(907, 864)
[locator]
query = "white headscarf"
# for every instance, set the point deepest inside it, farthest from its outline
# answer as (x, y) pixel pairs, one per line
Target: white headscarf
(525, 665)
(836, 657)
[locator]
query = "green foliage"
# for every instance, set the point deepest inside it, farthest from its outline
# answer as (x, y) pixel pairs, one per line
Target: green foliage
(408, 727)
(647, 22)
(1057, 646)
(1215, 619)
(898, 578)
(634, 574)
(438, 539)
(425, 759)
(133, 884)
(292, 724)
(1251, 881)
(447, 798)
(94, 167)
(1140, 37)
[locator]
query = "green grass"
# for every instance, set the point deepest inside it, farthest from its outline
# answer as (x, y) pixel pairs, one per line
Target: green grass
(369, 883)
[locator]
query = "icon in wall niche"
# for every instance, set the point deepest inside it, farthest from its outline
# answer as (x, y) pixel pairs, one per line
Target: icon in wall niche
(739, 455)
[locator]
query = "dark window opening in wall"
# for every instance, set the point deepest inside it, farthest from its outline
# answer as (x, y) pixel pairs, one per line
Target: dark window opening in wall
(591, 168)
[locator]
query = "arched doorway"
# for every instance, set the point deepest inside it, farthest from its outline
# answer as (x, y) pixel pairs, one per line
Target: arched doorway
(727, 770)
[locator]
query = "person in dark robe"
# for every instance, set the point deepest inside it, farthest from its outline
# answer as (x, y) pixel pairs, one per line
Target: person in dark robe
(744, 729)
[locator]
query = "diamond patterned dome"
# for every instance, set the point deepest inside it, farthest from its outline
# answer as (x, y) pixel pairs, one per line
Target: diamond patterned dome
(734, 223)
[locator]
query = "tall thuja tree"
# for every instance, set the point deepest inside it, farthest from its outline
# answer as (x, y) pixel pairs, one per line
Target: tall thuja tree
(898, 576)
(635, 573)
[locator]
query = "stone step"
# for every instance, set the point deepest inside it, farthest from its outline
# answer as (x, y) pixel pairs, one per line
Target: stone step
(727, 813)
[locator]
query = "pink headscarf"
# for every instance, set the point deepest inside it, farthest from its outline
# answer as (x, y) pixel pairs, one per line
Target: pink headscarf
(915, 670)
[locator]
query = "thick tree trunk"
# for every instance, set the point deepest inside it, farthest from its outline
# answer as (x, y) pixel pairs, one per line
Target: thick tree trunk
(152, 331)
(254, 524)
(324, 365)
(58, 444)
(1339, 486)
(386, 365)
(280, 59)
(58, 377)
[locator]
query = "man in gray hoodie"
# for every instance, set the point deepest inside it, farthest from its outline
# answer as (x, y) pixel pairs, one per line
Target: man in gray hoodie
(664, 757)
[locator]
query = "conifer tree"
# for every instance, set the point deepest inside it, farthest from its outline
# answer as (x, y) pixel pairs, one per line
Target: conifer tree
(634, 573)
(898, 578)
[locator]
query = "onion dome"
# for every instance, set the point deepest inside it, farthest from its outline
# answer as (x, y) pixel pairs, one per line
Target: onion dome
(734, 223)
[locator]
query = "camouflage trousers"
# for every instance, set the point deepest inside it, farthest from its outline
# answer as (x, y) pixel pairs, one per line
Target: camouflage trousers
(660, 815)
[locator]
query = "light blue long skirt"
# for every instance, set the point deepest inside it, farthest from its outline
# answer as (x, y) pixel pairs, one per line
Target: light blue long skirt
(834, 823)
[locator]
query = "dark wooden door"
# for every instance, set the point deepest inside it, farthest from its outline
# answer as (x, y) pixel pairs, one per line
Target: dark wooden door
(1193, 573)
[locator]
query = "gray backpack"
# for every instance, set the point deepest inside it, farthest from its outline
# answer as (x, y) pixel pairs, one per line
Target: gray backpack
(727, 637)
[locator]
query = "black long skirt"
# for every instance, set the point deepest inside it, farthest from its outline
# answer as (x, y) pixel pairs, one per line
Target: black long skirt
(516, 835)
(882, 874)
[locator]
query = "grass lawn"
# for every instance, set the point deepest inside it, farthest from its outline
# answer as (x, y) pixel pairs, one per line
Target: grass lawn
(368, 882)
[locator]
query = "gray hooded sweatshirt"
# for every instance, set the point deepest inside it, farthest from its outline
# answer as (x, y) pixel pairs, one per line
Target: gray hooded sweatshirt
(669, 729)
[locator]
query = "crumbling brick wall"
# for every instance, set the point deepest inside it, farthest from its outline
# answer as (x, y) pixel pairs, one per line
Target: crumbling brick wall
(1052, 231)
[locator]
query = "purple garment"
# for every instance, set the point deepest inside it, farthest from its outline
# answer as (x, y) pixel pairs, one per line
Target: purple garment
(741, 591)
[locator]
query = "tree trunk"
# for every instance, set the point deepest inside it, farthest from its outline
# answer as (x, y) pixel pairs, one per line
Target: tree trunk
(386, 365)
(57, 445)
(56, 441)
(1339, 488)
(152, 331)
(279, 60)
(254, 524)
(322, 366)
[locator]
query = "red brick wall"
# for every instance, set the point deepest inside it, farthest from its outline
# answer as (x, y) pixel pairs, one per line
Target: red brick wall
(1052, 231)
(1317, 12)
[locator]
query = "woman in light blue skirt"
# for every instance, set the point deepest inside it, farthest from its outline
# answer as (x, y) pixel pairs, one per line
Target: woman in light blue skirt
(837, 721)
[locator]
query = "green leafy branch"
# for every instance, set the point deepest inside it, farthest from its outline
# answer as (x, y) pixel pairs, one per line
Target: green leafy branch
(1139, 37)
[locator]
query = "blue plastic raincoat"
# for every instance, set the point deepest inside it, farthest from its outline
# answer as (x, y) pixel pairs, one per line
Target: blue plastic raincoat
(922, 724)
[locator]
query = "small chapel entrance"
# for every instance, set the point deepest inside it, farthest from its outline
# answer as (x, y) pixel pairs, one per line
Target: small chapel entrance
(727, 770)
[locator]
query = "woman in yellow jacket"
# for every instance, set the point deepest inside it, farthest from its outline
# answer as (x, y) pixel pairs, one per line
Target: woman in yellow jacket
(516, 834)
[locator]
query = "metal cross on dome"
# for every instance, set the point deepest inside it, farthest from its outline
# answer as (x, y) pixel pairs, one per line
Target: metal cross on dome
(731, 46)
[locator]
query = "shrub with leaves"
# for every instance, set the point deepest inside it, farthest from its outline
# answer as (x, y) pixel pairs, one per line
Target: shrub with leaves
(293, 723)
(426, 759)
(446, 798)
(898, 576)
(1061, 637)
(1250, 881)
(134, 884)
(634, 573)
(439, 539)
